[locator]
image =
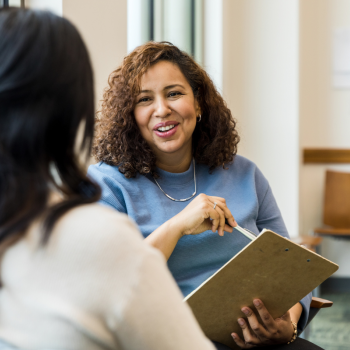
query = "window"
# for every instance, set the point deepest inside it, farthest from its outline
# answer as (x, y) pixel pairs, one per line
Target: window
(12, 3)
(179, 22)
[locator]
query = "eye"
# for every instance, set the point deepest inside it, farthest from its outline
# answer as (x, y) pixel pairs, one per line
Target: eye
(143, 99)
(174, 94)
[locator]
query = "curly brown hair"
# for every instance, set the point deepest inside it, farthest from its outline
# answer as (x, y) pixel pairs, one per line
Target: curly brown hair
(118, 139)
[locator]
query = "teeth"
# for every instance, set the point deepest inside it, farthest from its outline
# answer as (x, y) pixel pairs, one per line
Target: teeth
(166, 128)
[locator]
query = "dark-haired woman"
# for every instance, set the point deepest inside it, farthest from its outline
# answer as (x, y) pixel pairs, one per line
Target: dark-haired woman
(166, 142)
(74, 275)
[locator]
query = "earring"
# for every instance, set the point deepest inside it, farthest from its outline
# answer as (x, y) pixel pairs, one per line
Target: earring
(199, 118)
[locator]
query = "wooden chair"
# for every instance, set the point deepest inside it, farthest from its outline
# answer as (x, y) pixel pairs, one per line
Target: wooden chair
(336, 207)
(316, 305)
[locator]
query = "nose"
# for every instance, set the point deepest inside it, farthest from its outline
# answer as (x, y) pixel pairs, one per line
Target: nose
(162, 108)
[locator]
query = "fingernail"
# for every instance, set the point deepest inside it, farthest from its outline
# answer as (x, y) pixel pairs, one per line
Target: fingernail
(246, 311)
(233, 336)
(256, 302)
(241, 321)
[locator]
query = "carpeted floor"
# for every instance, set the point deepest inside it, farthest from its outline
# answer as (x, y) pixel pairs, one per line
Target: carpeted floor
(330, 329)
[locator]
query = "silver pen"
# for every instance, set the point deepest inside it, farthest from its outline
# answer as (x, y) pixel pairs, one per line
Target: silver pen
(246, 232)
(249, 234)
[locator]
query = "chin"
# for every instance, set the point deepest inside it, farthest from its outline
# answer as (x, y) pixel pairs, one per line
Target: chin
(169, 148)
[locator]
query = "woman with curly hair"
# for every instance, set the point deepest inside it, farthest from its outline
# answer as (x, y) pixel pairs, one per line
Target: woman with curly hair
(167, 145)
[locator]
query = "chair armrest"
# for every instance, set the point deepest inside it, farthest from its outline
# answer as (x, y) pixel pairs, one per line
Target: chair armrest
(309, 242)
(319, 303)
(330, 231)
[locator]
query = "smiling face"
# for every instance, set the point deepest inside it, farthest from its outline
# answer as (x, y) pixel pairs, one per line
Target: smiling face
(166, 110)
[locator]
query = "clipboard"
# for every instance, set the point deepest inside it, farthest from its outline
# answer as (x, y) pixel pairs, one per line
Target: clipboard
(271, 268)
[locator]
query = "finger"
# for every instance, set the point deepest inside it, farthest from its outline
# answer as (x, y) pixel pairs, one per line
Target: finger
(221, 202)
(221, 226)
(255, 325)
(266, 318)
(215, 217)
(241, 343)
(228, 228)
(249, 337)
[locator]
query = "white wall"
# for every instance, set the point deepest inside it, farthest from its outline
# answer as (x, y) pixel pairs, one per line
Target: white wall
(324, 114)
(260, 84)
(103, 26)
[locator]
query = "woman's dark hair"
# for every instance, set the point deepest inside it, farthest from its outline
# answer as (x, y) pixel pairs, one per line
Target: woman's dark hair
(118, 139)
(46, 92)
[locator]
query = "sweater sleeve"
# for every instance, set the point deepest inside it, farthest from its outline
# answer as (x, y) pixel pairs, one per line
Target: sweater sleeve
(111, 195)
(156, 318)
(270, 217)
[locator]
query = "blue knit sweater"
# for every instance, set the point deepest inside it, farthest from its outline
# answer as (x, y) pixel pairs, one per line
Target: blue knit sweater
(195, 258)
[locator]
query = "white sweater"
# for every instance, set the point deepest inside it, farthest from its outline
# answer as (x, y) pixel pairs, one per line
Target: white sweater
(95, 285)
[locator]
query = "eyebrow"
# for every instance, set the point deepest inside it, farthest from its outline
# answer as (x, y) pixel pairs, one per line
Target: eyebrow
(166, 88)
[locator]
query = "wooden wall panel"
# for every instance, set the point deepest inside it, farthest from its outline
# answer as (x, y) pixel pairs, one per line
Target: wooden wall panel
(326, 155)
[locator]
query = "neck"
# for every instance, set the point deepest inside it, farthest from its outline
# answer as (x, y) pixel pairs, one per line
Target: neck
(175, 163)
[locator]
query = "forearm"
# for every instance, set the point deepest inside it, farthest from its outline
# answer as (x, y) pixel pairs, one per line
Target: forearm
(295, 312)
(165, 238)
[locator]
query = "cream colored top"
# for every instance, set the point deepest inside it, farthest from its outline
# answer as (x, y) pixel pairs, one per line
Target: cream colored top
(95, 285)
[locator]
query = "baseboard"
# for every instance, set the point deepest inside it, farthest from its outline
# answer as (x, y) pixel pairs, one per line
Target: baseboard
(336, 285)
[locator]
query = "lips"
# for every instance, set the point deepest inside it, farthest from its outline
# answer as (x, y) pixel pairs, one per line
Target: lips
(165, 124)
(166, 129)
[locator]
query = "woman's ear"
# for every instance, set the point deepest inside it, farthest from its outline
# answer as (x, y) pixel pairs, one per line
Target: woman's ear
(197, 107)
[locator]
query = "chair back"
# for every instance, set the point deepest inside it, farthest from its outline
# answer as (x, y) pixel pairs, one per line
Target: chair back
(336, 209)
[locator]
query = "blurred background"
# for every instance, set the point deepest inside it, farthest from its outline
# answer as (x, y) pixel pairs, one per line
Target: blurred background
(284, 69)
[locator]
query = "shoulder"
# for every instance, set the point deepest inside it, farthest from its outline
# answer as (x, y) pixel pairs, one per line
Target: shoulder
(241, 167)
(110, 175)
(243, 164)
(240, 170)
(244, 172)
(96, 215)
(247, 168)
(102, 169)
(103, 250)
(96, 225)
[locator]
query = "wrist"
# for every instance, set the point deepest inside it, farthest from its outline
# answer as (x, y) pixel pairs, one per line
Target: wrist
(175, 227)
(295, 332)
